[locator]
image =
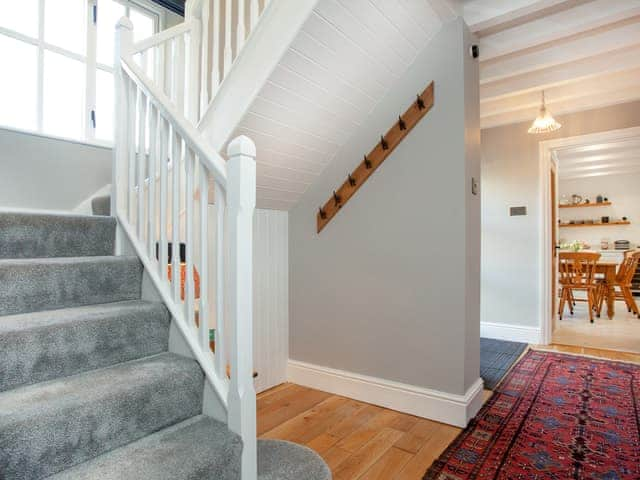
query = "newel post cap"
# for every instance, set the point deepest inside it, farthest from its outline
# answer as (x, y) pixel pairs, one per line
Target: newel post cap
(124, 23)
(241, 145)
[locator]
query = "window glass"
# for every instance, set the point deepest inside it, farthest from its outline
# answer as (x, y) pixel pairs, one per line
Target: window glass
(64, 95)
(65, 24)
(109, 14)
(20, 16)
(104, 105)
(143, 24)
(18, 96)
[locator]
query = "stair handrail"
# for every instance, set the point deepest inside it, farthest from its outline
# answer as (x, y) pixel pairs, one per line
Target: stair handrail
(155, 131)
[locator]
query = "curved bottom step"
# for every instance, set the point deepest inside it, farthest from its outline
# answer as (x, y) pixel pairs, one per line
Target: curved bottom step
(280, 460)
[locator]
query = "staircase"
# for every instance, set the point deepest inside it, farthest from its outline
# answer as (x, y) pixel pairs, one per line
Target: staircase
(88, 388)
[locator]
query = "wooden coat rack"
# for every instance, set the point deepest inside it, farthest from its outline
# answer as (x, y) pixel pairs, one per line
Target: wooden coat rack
(374, 159)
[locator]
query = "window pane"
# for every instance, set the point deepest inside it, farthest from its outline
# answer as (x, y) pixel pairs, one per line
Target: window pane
(65, 24)
(109, 14)
(64, 90)
(20, 16)
(143, 24)
(18, 84)
(104, 105)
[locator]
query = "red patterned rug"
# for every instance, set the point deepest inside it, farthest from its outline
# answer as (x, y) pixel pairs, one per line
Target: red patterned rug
(553, 417)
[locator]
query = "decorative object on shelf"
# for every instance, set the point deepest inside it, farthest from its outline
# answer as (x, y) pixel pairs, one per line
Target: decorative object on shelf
(624, 219)
(622, 244)
(605, 219)
(587, 201)
(388, 142)
(576, 199)
(564, 200)
(599, 199)
(604, 244)
(575, 246)
(606, 199)
(545, 122)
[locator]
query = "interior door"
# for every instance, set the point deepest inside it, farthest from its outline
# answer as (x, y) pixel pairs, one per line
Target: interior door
(554, 242)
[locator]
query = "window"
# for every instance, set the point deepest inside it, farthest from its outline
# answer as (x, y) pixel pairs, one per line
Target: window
(61, 53)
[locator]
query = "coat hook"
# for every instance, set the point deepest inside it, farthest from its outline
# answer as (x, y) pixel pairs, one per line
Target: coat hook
(401, 124)
(420, 102)
(336, 198)
(352, 181)
(383, 143)
(323, 214)
(367, 163)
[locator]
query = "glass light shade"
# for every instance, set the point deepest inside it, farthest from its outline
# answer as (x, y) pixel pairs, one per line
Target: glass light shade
(545, 122)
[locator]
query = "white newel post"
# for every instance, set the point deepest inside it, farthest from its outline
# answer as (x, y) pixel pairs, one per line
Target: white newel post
(123, 43)
(241, 202)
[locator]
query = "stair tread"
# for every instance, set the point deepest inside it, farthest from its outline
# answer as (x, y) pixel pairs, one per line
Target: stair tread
(198, 448)
(42, 235)
(41, 346)
(51, 426)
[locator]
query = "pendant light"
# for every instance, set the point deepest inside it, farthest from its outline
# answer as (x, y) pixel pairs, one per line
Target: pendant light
(545, 122)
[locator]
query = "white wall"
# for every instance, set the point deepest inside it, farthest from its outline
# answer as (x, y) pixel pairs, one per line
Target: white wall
(622, 190)
(38, 172)
(511, 245)
(389, 289)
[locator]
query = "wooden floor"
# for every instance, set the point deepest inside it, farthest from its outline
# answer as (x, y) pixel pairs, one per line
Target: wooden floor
(363, 441)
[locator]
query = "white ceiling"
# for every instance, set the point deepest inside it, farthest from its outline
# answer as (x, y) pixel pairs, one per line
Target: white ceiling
(584, 53)
(343, 61)
(598, 159)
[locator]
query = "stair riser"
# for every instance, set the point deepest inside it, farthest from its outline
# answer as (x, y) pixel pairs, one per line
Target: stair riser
(60, 349)
(38, 236)
(30, 286)
(38, 442)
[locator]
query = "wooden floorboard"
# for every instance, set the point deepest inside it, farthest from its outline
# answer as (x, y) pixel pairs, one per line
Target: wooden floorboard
(360, 441)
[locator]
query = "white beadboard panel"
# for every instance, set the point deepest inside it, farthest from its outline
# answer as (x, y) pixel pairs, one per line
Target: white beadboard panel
(270, 297)
(344, 60)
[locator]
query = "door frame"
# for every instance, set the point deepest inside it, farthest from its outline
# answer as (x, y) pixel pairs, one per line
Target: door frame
(547, 151)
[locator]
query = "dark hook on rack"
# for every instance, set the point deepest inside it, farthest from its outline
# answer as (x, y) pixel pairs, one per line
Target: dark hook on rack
(352, 181)
(367, 163)
(420, 102)
(323, 214)
(401, 124)
(336, 198)
(383, 143)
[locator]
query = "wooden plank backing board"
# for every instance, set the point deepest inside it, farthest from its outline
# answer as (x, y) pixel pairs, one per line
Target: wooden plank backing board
(374, 159)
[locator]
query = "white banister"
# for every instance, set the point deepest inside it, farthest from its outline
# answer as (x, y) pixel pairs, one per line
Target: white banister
(240, 29)
(227, 37)
(215, 57)
(241, 200)
(162, 171)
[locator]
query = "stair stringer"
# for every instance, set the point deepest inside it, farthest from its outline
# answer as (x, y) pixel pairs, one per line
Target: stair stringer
(212, 404)
(278, 27)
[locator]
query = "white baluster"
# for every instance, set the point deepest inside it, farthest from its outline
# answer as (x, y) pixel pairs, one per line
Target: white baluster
(220, 339)
(200, 33)
(241, 197)
(142, 160)
(123, 41)
(241, 30)
(131, 140)
(204, 254)
(215, 45)
(162, 264)
(178, 73)
(228, 58)
(189, 291)
(175, 218)
(154, 134)
(254, 14)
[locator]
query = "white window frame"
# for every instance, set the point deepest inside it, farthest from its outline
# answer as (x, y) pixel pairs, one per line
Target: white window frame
(89, 59)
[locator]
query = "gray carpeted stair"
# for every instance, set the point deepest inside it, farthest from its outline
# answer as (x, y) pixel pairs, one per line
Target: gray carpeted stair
(101, 205)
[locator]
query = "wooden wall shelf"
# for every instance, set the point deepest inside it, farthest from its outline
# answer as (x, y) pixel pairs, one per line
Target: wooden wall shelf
(374, 159)
(585, 205)
(610, 224)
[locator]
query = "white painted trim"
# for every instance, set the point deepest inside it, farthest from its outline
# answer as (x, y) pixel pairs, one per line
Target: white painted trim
(33, 133)
(436, 405)
(513, 333)
(547, 148)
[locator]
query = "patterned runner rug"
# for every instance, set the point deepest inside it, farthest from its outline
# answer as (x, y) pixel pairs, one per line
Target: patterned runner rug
(554, 416)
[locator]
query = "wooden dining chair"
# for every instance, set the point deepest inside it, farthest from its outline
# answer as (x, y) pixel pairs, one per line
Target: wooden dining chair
(622, 287)
(577, 273)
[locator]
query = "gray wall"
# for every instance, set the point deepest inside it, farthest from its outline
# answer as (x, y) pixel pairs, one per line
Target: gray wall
(38, 172)
(390, 286)
(511, 264)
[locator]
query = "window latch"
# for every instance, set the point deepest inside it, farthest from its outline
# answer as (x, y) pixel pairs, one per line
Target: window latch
(95, 14)
(93, 118)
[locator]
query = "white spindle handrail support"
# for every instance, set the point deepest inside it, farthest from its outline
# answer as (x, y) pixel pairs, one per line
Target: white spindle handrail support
(215, 57)
(228, 53)
(221, 348)
(241, 202)
(204, 259)
(240, 29)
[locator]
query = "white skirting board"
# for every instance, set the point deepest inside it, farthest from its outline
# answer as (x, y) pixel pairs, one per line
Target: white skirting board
(514, 333)
(432, 404)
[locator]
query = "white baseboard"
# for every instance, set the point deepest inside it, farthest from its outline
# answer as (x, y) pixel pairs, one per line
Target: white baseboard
(432, 404)
(514, 333)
